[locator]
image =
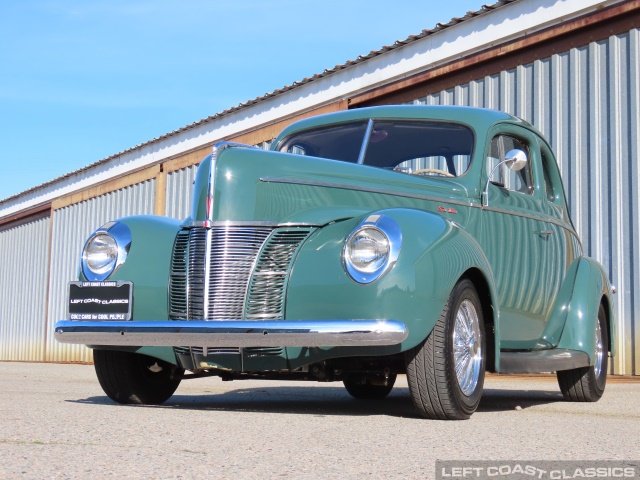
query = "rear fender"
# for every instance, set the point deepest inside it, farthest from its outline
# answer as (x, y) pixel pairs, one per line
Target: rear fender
(591, 285)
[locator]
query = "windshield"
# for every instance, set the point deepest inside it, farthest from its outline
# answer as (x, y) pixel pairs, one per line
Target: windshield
(408, 146)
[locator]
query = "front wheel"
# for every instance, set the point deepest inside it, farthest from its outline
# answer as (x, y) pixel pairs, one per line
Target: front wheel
(446, 371)
(131, 378)
(586, 384)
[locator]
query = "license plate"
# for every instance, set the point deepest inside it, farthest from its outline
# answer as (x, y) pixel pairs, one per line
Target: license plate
(100, 300)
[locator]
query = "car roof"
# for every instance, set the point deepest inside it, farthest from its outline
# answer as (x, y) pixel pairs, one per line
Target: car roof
(477, 118)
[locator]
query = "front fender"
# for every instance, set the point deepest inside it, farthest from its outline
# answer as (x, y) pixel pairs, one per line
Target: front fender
(590, 286)
(147, 266)
(148, 263)
(435, 253)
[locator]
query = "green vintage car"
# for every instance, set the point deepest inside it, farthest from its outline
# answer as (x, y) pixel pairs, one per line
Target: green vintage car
(429, 241)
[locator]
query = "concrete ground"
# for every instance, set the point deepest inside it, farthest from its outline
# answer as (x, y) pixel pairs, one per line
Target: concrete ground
(55, 422)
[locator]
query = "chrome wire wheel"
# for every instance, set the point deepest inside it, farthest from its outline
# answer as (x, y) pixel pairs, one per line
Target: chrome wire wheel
(445, 372)
(597, 366)
(467, 347)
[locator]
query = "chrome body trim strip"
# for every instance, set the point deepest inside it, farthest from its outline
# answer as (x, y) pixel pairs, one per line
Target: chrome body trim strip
(215, 334)
(470, 204)
(518, 214)
(552, 220)
(217, 149)
(245, 223)
(383, 191)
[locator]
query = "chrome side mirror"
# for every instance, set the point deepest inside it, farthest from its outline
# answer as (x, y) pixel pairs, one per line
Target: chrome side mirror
(514, 159)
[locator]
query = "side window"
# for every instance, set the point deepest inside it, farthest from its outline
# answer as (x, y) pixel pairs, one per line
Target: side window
(503, 176)
(548, 184)
(554, 191)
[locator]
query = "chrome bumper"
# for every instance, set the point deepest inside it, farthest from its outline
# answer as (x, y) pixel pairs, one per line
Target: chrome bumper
(234, 333)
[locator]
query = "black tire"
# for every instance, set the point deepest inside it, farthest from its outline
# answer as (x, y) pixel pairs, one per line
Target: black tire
(131, 378)
(434, 386)
(365, 387)
(586, 384)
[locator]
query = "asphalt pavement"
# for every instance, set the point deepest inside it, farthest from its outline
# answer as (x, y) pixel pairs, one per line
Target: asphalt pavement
(55, 422)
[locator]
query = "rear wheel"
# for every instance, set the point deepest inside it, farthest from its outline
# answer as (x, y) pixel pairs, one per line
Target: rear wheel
(366, 387)
(587, 384)
(131, 378)
(446, 372)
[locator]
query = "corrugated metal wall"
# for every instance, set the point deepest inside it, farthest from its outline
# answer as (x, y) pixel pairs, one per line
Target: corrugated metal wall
(71, 227)
(24, 257)
(179, 190)
(586, 102)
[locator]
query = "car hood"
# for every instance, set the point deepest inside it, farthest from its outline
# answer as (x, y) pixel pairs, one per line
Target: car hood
(258, 185)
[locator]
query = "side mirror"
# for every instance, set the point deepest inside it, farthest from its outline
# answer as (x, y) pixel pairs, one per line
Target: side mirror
(514, 159)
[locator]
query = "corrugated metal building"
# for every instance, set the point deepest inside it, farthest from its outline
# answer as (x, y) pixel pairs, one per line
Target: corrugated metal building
(570, 67)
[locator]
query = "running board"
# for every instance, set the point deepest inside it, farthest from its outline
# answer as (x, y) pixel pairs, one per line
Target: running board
(542, 361)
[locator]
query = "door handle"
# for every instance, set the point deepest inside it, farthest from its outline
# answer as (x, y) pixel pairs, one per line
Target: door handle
(544, 233)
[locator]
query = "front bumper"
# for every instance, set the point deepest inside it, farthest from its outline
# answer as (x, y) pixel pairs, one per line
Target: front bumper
(234, 333)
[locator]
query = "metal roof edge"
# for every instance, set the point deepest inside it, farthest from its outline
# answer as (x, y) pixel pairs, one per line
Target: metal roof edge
(156, 150)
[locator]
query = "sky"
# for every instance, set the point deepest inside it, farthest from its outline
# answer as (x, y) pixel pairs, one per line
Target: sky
(82, 80)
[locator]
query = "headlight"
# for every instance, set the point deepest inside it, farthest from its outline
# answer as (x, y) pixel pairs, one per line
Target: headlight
(105, 250)
(100, 253)
(367, 249)
(372, 248)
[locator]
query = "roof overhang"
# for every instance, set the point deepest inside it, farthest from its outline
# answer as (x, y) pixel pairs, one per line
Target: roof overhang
(502, 23)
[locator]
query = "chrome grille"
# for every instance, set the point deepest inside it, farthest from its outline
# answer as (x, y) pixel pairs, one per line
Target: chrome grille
(197, 273)
(215, 351)
(178, 277)
(249, 351)
(265, 297)
(263, 351)
(232, 273)
(232, 253)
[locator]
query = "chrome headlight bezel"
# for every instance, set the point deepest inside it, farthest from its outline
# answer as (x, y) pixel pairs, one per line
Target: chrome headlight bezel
(116, 233)
(388, 232)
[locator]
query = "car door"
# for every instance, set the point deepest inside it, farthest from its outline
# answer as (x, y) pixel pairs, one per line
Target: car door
(515, 239)
(562, 245)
